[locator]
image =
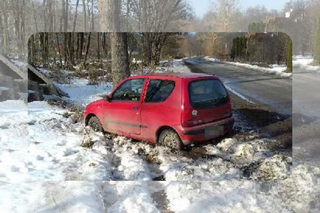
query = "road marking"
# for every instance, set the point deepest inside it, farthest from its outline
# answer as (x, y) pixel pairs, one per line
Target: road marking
(239, 95)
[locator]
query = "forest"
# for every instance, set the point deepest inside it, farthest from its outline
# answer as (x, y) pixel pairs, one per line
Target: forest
(22, 18)
(124, 53)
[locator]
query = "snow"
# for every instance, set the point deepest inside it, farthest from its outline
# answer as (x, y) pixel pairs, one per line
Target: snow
(82, 93)
(13, 132)
(207, 58)
(140, 199)
(304, 62)
(4, 88)
(19, 63)
(274, 69)
(176, 65)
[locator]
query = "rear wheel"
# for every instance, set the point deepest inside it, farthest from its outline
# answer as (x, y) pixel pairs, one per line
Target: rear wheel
(95, 124)
(170, 139)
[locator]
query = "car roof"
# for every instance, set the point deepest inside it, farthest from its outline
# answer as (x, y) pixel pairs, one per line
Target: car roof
(176, 75)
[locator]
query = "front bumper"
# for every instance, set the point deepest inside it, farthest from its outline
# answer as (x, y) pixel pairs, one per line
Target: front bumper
(206, 131)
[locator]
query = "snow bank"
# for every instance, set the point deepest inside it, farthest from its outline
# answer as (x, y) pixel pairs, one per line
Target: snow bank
(207, 58)
(274, 69)
(178, 65)
(304, 62)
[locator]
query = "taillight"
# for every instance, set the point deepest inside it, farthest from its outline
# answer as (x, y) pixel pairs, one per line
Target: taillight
(191, 123)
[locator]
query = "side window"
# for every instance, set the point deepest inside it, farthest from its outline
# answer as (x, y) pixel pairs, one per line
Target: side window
(130, 90)
(159, 90)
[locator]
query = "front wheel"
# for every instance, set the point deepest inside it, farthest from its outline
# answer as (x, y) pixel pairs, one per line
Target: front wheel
(170, 139)
(95, 124)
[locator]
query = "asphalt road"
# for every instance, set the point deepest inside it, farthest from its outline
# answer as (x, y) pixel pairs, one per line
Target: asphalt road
(263, 88)
(306, 117)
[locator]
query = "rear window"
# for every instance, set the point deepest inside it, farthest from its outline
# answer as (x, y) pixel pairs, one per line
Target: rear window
(207, 93)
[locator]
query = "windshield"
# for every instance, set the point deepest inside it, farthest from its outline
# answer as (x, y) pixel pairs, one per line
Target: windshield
(207, 93)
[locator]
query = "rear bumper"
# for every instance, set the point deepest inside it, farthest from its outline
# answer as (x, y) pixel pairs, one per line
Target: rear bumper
(199, 133)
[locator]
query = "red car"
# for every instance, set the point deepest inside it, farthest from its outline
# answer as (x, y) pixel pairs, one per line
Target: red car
(172, 109)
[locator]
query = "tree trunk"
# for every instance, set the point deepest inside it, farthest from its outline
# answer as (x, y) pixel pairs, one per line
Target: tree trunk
(75, 17)
(81, 45)
(31, 59)
(147, 48)
(66, 15)
(85, 15)
(98, 48)
(120, 60)
(316, 50)
(109, 15)
(88, 46)
(92, 17)
(34, 16)
(59, 51)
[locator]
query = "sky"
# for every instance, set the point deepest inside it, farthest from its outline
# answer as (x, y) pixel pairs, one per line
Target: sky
(200, 7)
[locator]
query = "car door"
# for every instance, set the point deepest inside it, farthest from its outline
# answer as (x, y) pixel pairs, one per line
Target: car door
(161, 106)
(125, 107)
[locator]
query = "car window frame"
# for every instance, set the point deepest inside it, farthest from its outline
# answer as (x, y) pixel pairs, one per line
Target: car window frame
(118, 87)
(147, 86)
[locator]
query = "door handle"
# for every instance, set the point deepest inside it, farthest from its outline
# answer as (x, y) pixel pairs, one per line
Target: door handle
(134, 108)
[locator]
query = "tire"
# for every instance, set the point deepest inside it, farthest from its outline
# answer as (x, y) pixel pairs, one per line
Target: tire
(95, 124)
(171, 139)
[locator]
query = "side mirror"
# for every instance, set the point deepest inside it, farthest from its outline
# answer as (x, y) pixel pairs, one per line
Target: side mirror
(107, 98)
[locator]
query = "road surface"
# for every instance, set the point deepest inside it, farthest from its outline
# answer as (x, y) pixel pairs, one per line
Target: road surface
(263, 88)
(306, 117)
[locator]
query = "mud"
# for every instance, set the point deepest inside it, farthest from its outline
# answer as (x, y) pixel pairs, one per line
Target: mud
(265, 122)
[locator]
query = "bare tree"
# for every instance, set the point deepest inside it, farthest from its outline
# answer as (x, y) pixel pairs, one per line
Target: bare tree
(223, 16)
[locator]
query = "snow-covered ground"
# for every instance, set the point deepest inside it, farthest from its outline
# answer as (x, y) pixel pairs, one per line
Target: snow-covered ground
(274, 69)
(176, 65)
(82, 93)
(304, 63)
(51, 164)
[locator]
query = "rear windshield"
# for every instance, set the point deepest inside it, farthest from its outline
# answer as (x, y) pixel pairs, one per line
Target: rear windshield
(207, 93)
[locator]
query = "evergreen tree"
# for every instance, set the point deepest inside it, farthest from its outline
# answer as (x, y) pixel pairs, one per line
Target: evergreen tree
(289, 57)
(233, 49)
(317, 44)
